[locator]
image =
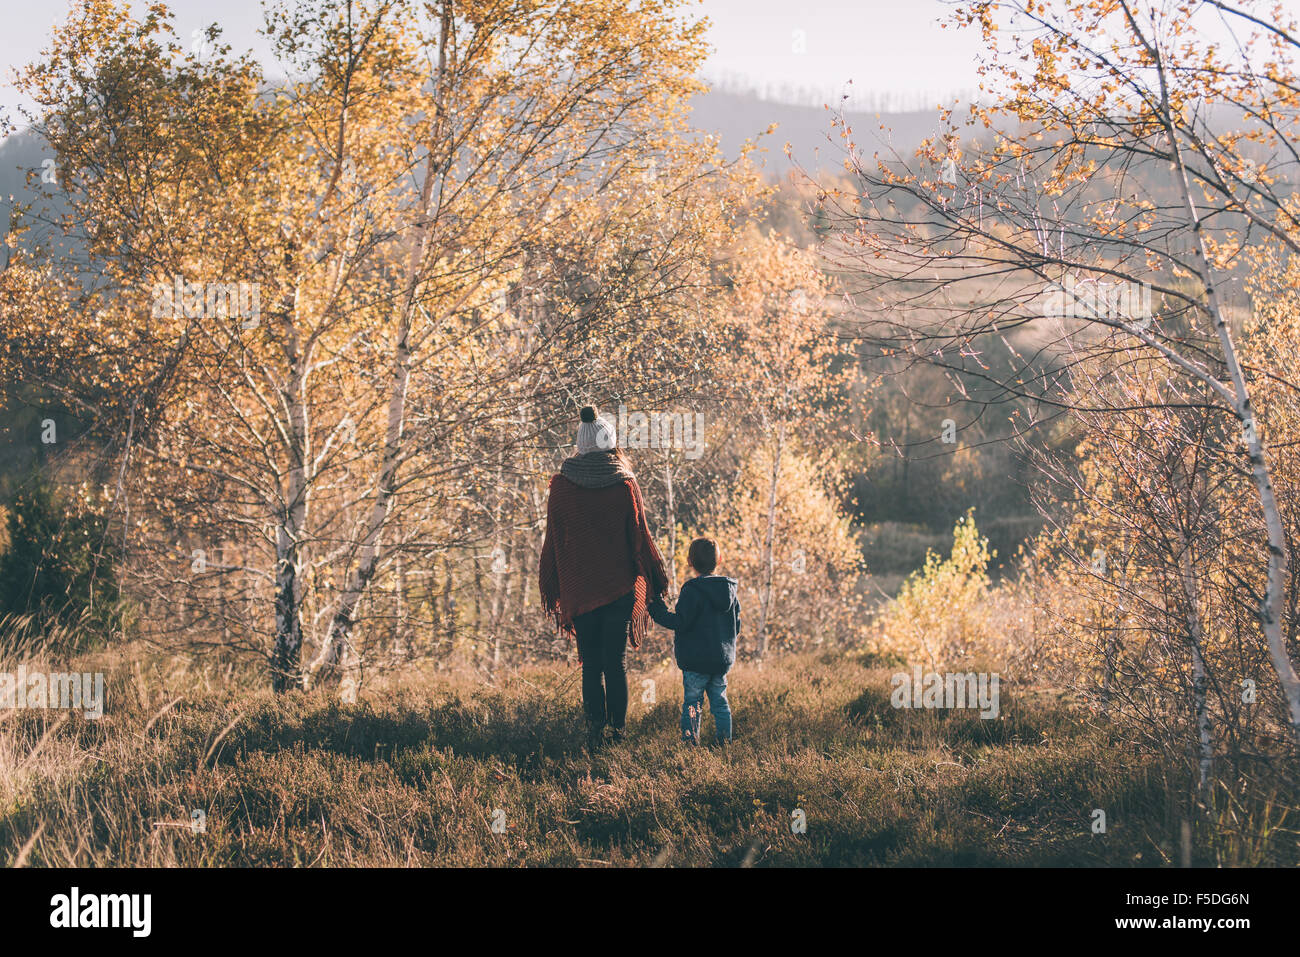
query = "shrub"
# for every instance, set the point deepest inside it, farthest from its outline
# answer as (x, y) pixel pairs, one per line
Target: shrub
(57, 567)
(943, 608)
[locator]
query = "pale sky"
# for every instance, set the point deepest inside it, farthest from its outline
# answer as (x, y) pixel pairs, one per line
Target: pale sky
(775, 46)
(792, 50)
(821, 45)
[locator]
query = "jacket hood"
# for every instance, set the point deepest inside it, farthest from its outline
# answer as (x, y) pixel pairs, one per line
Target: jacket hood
(719, 590)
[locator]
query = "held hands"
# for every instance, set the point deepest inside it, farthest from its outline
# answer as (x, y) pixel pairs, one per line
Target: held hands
(657, 609)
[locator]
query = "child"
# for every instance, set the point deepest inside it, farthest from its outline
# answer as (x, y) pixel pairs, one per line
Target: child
(706, 626)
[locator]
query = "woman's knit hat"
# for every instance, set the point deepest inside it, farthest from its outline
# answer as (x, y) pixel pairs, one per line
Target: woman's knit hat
(595, 434)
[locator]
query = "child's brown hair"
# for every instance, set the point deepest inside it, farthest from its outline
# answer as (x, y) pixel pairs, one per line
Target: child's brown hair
(703, 555)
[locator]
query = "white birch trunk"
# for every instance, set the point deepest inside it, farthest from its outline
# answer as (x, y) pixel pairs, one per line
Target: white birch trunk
(290, 525)
(1200, 680)
(337, 647)
(1270, 607)
(769, 547)
(1113, 640)
(672, 530)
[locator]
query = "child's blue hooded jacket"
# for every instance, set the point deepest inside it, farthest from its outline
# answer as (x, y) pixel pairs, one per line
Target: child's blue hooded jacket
(706, 624)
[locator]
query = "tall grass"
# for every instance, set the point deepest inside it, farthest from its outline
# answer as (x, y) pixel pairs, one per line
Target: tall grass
(419, 771)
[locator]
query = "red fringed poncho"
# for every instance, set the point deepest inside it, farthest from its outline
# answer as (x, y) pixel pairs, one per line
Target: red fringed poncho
(598, 548)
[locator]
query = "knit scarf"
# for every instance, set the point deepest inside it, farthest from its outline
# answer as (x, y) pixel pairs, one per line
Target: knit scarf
(598, 469)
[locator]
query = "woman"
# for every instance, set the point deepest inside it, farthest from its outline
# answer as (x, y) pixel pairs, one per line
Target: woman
(600, 568)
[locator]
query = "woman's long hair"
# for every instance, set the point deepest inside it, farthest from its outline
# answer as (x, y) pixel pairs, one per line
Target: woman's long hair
(624, 459)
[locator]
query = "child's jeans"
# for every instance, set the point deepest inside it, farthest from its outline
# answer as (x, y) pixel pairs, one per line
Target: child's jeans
(694, 685)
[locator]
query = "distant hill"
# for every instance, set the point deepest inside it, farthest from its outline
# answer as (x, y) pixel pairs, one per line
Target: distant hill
(733, 116)
(21, 154)
(736, 117)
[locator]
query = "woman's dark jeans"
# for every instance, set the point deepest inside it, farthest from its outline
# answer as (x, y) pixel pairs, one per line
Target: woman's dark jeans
(602, 643)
